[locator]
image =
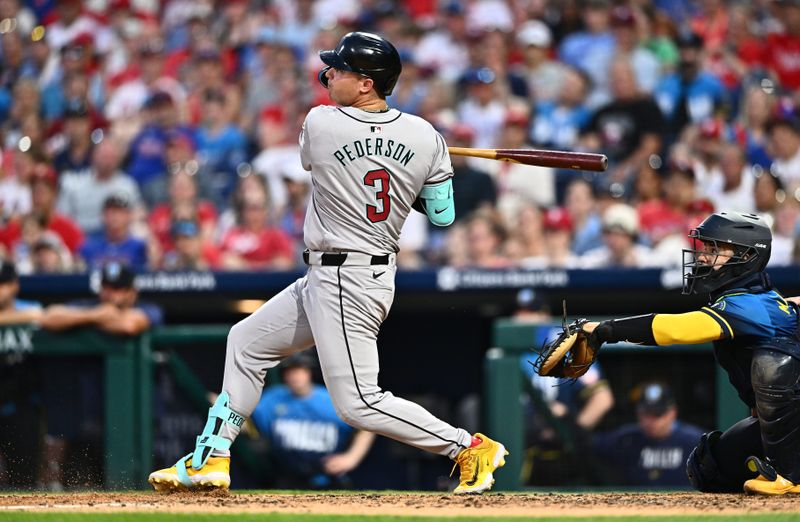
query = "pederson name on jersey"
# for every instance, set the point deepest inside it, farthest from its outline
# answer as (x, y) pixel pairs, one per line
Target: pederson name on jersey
(374, 147)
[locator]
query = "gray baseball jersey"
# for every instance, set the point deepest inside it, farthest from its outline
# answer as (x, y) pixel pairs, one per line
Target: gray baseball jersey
(367, 168)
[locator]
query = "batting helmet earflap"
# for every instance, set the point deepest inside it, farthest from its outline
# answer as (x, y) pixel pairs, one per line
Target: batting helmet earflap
(749, 237)
(367, 54)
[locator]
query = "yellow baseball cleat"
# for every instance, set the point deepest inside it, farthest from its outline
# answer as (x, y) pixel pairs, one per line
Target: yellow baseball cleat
(768, 482)
(477, 464)
(215, 475)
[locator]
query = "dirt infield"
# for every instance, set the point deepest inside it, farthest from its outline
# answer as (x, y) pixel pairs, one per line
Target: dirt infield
(400, 504)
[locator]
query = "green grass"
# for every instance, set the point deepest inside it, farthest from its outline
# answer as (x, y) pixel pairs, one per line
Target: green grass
(270, 517)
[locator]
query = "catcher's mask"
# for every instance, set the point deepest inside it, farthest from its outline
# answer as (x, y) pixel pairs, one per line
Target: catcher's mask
(746, 234)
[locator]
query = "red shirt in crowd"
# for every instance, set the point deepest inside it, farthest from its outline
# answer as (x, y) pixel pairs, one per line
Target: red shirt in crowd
(65, 228)
(658, 220)
(782, 55)
(160, 221)
(258, 249)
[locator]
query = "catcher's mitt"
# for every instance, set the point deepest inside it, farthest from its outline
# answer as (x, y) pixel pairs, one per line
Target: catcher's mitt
(570, 354)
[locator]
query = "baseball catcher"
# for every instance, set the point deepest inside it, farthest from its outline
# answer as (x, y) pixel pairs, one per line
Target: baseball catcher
(754, 330)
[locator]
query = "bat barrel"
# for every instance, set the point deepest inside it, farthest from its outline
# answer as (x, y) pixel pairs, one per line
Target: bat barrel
(555, 159)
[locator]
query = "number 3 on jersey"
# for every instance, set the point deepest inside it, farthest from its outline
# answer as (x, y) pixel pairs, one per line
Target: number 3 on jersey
(382, 195)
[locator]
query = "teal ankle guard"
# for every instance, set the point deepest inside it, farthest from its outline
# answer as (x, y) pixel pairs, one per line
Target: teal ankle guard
(438, 203)
(210, 440)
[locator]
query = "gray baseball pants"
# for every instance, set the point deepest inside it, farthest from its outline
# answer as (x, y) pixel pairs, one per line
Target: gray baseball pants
(340, 310)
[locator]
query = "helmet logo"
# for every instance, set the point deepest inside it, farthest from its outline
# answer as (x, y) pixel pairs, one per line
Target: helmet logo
(761, 245)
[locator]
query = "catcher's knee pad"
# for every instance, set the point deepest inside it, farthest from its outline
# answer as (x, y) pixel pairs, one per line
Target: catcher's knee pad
(702, 469)
(776, 384)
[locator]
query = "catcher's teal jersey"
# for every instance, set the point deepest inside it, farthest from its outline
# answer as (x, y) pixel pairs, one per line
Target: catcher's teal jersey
(761, 316)
(757, 320)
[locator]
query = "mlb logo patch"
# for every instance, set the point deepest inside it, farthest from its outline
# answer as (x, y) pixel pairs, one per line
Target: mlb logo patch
(375, 129)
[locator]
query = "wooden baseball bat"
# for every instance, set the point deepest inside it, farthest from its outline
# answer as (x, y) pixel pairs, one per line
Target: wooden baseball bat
(557, 159)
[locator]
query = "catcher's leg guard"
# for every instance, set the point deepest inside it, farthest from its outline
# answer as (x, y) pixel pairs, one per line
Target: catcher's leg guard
(702, 469)
(776, 383)
(716, 465)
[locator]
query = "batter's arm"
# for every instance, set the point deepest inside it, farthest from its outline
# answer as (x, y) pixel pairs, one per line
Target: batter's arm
(696, 327)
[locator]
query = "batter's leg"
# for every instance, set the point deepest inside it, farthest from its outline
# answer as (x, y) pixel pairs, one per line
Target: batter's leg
(259, 342)
(346, 306)
(276, 330)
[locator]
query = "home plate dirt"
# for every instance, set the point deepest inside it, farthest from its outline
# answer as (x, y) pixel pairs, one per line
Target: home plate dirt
(429, 504)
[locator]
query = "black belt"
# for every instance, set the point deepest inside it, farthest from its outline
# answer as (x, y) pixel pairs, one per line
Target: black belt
(338, 259)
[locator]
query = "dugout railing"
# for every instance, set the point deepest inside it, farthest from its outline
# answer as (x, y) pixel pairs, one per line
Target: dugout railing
(128, 373)
(128, 380)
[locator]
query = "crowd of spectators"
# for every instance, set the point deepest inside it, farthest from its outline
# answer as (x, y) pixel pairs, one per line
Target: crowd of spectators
(163, 134)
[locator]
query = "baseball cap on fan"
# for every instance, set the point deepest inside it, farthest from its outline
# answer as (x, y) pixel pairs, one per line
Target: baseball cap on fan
(116, 275)
(76, 109)
(556, 219)
(620, 217)
(535, 33)
(298, 360)
(8, 271)
(482, 75)
(531, 300)
(655, 399)
(622, 16)
(185, 228)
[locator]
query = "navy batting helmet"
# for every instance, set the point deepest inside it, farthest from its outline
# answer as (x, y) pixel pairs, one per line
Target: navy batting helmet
(367, 54)
(748, 236)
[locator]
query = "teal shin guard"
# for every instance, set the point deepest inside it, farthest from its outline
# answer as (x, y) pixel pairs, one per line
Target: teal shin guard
(210, 440)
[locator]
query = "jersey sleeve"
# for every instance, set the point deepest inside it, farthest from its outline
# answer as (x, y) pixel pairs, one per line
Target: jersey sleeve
(441, 168)
(742, 314)
(305, 145)
(695, 327)
(153, 312)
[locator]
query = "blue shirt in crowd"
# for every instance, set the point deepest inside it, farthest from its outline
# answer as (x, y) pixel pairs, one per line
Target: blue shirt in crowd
(223, 151)
(98, 250)
(703, 95)
(557, 126)
(146, 156)
(301, 430)
(589, 236)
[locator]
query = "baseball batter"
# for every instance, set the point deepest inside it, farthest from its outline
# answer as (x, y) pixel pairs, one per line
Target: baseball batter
(369, 165)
